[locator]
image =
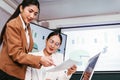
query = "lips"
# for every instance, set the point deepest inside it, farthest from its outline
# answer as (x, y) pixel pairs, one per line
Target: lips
(51, 49)
(29, 20)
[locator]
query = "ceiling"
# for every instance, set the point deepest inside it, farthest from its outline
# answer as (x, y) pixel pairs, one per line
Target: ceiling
(60, 9)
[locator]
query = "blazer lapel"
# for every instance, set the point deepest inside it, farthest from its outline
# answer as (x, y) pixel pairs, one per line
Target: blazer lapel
(23, 35)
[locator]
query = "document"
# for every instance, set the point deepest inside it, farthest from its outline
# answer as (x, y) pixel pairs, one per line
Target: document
(65, 65)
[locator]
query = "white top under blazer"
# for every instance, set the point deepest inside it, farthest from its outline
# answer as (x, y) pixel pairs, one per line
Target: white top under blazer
(41, 74)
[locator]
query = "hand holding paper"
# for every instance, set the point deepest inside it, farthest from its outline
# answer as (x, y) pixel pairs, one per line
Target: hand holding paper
(72, 70)
(65, 65)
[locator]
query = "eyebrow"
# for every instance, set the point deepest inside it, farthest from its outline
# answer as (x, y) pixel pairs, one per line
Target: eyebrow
(32, 10)
(54, 41)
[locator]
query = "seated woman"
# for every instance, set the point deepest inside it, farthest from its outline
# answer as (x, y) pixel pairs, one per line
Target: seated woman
(53, 42)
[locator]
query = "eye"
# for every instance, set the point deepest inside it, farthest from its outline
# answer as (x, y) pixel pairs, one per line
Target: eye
(57, 44)
(30, 11)
(35, 13)
(51, 41)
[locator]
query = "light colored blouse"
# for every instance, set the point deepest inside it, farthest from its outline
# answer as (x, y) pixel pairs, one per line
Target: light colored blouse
(42, 74)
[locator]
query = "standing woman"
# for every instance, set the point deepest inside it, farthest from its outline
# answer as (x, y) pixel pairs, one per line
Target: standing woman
(16, 40)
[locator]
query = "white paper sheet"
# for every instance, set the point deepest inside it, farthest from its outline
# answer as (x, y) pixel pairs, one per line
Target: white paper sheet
(65, 65)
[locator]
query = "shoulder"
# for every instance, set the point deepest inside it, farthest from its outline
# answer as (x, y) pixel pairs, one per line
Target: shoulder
(58, 54)
(15, 23)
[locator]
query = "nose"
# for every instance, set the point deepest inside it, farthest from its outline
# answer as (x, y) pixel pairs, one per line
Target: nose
(53, 45)
(32, 16)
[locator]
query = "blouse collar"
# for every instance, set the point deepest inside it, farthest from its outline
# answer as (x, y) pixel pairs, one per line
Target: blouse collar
(23, 23)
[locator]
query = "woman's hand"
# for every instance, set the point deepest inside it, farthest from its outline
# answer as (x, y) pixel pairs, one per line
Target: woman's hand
(72, 70)
(46, 61)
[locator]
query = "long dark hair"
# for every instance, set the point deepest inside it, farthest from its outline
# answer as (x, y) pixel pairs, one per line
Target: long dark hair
(55, 33)
(17, 12)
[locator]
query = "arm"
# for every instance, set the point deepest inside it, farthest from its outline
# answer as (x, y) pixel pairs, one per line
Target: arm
(67, 75)
(16, 46)
(17, 51)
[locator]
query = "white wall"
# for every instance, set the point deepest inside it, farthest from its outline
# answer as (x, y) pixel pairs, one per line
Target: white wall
(6, 7)
(3, 18)
(70, 22)
(5, 12)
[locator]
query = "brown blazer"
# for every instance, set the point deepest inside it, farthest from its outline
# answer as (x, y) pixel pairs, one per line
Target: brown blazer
(14, 57)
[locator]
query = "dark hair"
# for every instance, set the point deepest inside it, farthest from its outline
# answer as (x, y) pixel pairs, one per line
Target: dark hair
(17, 12)
(55, 33)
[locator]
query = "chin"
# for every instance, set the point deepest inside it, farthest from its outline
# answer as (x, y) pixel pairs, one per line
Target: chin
(51, 52)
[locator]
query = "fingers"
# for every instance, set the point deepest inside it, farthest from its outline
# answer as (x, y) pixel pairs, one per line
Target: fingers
(47, 61)
(72, 69)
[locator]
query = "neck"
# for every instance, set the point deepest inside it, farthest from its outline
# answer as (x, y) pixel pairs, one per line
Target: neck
(26, 24)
